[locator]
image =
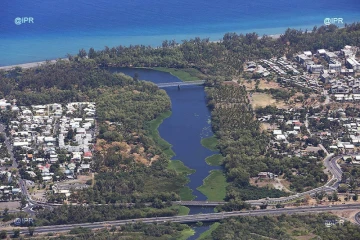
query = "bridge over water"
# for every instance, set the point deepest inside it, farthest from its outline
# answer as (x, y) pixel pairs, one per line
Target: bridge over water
(176, 84)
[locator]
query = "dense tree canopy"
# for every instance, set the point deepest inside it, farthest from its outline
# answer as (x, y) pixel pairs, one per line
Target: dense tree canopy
(226, 57)
(285, 227)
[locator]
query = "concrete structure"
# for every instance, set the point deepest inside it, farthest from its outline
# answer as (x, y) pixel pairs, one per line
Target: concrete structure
(330, 56)
(353, 63)
(315, 68)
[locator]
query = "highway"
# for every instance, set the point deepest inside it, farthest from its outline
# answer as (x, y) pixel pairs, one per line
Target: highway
(208, 217)
(330, 186)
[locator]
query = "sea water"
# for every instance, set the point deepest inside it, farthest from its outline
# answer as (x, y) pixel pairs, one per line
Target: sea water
(61, 27)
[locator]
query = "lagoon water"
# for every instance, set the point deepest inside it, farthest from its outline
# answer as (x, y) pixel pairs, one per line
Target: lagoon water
(65, 26)
(184, 129)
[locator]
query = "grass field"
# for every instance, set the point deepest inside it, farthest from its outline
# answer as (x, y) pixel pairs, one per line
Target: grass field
(180, 168)
(186, 74)
(152, 128)
(215, 160)
(186, 194)
(185, 234)
(182, 209)
(210, 143)
(207, 234)
(214, 186)
(262, 100)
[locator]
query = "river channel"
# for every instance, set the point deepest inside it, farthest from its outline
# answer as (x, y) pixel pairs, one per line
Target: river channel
(187, 125)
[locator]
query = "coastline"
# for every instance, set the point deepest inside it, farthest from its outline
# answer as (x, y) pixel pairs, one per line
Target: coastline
(39, 63)
(30, 65)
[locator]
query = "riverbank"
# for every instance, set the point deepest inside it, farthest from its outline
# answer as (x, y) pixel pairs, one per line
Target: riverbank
(215, 160)
(207, 234)
(214, 186)
(152, 128)
(185, 74)
(178, 166)
(210, 143)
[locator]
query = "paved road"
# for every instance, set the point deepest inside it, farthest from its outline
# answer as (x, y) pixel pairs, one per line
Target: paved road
(357, 218)
(208, 217)
(9, 146)
(307, 124)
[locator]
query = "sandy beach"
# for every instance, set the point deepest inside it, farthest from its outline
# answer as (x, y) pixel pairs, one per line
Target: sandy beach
(29, 65)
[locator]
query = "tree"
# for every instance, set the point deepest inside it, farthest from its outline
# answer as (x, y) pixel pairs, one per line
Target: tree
(82, 53)
(355, 197)
(136, 77)
(23, 202)
(16, 233)
(3, 234)
(6, 214)
(321, 153)
(31, 231)
(2, 137)
(335, 196)
(264, 206)
(92, 53)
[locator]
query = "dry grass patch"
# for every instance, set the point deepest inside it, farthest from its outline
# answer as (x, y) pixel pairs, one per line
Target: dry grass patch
(258, 182)
(263, 100)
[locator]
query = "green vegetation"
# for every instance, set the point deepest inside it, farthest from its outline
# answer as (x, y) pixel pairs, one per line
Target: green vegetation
(80, 230)
(224, 59)
(285, 227)
(135, 231)
(240, 141)
(182, 210)
(180, 168)
(210, 143)
(185, 234)
(186, 194)
(131, 160)
(214, 186)
(186, 74)
(207, 234)
(244, 146)
(96, 213)
(152, 128)
(215, 160)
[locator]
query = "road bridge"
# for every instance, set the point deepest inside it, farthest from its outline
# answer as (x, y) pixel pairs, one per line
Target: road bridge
(179, 84)
(207, 217)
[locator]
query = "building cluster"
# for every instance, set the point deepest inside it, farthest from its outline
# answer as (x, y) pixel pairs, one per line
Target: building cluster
(341, 133)
(289, 129)
(44, 135)
(8, 187)
(301, 132)
(337, 72)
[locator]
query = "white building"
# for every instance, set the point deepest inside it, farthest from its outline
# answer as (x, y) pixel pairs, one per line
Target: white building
(352, 63)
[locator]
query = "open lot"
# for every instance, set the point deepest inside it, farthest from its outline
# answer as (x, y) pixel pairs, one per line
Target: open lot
(263, 100)
(9, 205)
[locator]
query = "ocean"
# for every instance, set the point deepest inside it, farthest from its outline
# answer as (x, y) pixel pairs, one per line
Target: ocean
(51, 29)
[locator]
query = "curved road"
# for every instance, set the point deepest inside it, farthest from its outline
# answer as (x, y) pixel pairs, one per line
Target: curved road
(357, 218)
(330, 163)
